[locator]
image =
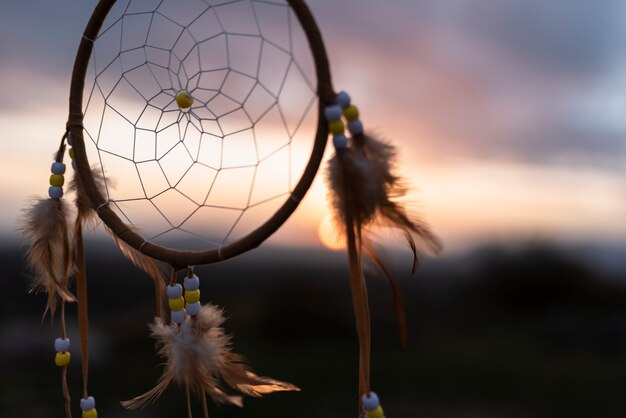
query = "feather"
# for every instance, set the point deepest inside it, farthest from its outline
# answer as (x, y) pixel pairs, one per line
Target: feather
(87, 214)
(83, 204)
(198, 354)
(364, 192)
(156, 271)
(381, 157)
(45, 231)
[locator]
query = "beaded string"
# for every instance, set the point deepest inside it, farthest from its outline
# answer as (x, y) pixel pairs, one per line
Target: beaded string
(62, 344)
(87, 403)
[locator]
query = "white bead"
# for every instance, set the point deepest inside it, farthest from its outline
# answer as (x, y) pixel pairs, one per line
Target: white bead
(370, 401)
(74, 165)
(57, 168)
(69, 139)
(356, 127)
(193, 308)
(174, 291)
(87, 404)
(178, 317)
(55, 192)
(192, 283)
(62, 344)
(332, 113)
(343, 99)
(340, 141)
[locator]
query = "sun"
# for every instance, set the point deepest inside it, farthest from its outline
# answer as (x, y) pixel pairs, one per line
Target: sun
(328, 236)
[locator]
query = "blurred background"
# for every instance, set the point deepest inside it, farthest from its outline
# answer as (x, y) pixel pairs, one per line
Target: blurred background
(509, 121)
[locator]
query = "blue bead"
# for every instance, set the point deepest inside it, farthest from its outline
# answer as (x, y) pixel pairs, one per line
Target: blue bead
(332, 113)
(356, 127)
(55, 192)
(343, 99)
(87, 404)
(370, 401)
(192, 283)
(74, 165)
(174, 291)
(193, 308)
(62, 344)
(69, 139)
(340, 141)
(178, 317)
(57, 168)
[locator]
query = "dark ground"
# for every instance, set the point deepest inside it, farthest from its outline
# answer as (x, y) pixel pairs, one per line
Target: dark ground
(527, 332)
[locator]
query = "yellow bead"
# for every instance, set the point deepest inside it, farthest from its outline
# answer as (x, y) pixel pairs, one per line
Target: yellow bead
(177, 304)
(336, 127)
(351, 113)
(184, 100)
(57, 180)
(62, 358)
(71, 153)
(376, 413)
(192, 296)
(92, 413)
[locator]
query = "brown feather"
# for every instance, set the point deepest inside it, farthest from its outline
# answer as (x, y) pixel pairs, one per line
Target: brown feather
(398, 300)
(157, 272)
(83, 204)
(390, 212)
(86, 212)
(45, 231)
(198, 354)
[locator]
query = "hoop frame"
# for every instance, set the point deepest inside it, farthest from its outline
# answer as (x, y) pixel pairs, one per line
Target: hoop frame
(179, 259)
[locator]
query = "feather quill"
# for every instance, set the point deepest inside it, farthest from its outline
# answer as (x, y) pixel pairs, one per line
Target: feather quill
(45, 231)
(88, 215)
(198, 354)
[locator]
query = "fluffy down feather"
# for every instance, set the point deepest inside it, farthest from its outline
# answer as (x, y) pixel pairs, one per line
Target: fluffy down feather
(45, 231)
(198, 353)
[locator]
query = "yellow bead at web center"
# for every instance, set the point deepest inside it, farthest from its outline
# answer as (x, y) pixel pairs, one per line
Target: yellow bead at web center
(184, 99)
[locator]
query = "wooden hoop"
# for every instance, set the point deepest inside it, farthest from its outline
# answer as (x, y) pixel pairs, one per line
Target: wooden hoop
(179, 258)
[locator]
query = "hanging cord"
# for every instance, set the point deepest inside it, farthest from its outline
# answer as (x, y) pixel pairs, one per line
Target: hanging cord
(205, 408)
(83, 317)
(64, 385)
(188, 396)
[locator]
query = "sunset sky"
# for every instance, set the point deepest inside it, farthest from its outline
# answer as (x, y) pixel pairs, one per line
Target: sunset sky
(509, 116)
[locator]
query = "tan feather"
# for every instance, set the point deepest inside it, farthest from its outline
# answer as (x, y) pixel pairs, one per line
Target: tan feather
(364, 191)
(157, 272)
(45, 230)
(198, 354)
(381, 157)
(87, 214)
(83, 204)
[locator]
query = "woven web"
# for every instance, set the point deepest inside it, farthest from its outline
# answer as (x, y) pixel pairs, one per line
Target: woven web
(200, 177)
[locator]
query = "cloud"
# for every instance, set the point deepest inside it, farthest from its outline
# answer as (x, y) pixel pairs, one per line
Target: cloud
(497, 79)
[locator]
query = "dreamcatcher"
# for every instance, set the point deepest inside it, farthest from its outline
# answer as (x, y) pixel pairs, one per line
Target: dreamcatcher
(189, 129)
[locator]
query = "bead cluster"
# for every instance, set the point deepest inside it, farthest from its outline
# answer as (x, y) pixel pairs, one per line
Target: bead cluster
(334, 113)
(176, 303)
(71, 151)
(57, 180)
(182, 304)
(192, 295)
(63, 356)
(88, 406)
(371, 405)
